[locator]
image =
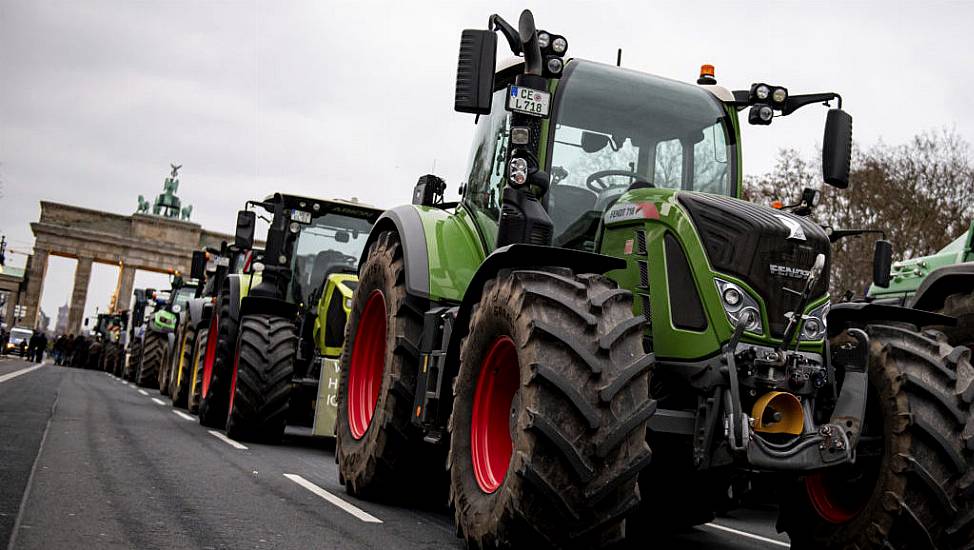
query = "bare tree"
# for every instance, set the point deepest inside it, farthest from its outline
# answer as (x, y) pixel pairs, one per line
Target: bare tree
(921, 193)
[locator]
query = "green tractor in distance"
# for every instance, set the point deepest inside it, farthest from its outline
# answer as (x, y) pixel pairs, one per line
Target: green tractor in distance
(158, 336)
(942, 282)
(273, 373)
(601, 238)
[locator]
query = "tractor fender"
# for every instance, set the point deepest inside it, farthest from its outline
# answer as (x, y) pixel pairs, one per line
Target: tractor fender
(234, 283)
(855, 314)
(520, 256)
(407, 222)
(941, 283)
(195, 308)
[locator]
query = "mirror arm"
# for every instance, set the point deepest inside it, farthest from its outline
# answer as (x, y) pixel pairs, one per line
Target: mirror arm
(795, 102)
(496, 23)
(838, 234)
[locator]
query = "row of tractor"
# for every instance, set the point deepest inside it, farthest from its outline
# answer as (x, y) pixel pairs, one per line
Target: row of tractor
(601, 340)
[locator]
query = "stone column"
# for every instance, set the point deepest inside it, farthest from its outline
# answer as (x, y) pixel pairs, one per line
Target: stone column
(125, 289)
(35, 283)
(79, 295)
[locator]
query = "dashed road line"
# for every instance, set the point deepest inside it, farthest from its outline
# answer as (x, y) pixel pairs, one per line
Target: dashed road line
(143, 392)
(227, 440)
(158, 401)
(747, 535)
(183, 415)
(16, 373)
(346, 506)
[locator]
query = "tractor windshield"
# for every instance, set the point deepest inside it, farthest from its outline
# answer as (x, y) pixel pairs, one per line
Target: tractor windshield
(613, 126)
(330, 244)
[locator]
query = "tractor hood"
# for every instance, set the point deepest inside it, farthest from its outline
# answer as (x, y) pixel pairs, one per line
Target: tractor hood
(768, 249)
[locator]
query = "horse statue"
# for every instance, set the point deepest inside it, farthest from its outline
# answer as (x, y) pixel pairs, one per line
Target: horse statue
(143, 206)
(187, 212)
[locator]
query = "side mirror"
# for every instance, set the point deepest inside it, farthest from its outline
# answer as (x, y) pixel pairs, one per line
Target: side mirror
(882, 263)
(197, 269)
(475, 72)
(246, 224)
(837, 148)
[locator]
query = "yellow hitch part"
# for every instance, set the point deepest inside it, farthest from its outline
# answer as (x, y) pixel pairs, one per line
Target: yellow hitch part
(784, 408)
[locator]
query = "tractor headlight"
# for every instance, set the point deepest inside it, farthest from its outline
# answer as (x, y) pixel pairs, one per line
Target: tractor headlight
(176, 308)
(762, 92)
(559, 45)
(258, 267)
(555, 65)
(779, 95)
(739, 306)
(815, 326)
(348, 303)
(294, 227)
(544, 39)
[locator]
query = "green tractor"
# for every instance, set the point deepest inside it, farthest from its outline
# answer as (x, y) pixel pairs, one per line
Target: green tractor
(267, 362)
(600, 337)
(159, 334)
(942, 282)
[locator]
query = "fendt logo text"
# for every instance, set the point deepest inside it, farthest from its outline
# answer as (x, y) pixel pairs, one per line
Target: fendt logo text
(787, 271)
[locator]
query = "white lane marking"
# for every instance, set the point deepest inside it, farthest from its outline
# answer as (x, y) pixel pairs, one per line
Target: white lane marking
(227, 440)
(158, 401)
(143, 392)
(16, 373)
(747, 535)
(347, 506)
(184, 416)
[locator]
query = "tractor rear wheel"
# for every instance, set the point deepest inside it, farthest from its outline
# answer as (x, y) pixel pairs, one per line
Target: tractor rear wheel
(261, 382)
(913, 483)
(378, 451)
(165, 371)
(218, 368)
(153, 355)
(184, 365)
(548, 431)
(196, 368)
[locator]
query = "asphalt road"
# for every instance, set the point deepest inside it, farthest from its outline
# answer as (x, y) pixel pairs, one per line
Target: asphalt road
(87, 460)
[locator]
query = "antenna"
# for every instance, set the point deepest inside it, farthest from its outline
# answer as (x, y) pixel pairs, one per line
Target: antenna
(619, 58)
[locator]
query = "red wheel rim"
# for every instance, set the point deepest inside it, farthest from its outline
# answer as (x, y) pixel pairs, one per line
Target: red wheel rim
(834, 498)
(367, 365)
(490, 433)
(211, 338)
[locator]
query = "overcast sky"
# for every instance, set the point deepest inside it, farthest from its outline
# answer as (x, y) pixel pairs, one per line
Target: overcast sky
(339, 99)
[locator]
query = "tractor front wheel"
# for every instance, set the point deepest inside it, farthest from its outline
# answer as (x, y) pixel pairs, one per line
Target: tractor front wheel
(183, 374)
(913, 482)
(260, 385)
(378, 451)
(548, 432)
(200, 347)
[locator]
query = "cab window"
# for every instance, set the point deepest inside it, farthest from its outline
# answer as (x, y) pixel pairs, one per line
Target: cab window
(488, 153)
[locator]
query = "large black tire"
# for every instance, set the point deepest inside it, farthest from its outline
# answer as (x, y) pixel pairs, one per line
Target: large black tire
(134, 360)
(390, 457)
(961, 306)
(579, 405)
(918, 489)
(153, 355)
(216, 403)
(261, 388)
(196, 366)
(182, 377)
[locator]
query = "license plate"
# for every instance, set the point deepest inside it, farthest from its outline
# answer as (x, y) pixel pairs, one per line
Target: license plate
(223, 261)
(528, 101)
(300, 216)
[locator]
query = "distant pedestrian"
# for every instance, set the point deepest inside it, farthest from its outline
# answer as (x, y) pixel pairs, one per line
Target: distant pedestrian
(32, 344)
(4, 338)
(41, 348)
(58, 349)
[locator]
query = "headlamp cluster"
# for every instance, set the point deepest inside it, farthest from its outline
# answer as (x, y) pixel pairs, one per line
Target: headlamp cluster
(739, 306)
(765, 99)
(553, 49)
(814, 326)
